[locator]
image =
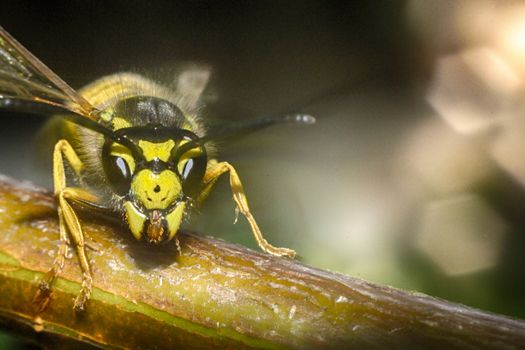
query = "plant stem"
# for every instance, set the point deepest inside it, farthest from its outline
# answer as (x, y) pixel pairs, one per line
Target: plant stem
(212, 294)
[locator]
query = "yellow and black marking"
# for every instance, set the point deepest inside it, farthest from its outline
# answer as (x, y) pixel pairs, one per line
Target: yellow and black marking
(135, 147)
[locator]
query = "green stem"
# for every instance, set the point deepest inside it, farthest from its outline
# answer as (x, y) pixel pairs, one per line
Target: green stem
(212, 295)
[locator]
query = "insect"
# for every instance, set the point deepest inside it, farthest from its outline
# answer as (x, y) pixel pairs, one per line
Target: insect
(135, 147)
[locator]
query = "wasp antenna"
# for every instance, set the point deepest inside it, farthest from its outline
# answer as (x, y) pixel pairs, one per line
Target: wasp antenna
(299, 118)
(249, 126)
(17, 104)
(262, 122)
(35, 106)
(90, 124)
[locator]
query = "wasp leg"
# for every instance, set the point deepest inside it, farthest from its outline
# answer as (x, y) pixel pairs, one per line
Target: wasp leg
(62, 148)
(68, 222)
(213, 171)
(74, 228)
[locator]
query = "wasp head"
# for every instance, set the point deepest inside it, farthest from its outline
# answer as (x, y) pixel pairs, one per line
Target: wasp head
(157, 172)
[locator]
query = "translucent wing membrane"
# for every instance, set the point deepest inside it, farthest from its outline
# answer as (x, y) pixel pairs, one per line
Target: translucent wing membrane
(191, 83)
(26, 81)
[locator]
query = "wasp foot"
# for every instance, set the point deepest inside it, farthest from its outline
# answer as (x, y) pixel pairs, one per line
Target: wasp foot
(177, 244)
(42, 298)
(85, 293)
(280, 251)
(43, 295)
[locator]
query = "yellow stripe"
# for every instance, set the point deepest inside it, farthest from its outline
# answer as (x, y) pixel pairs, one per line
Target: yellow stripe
(135, 220)
(152, 150)
(174, 220)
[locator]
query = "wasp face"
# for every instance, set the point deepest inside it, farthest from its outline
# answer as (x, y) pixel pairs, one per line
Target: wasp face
(156, 176)
(155, 205)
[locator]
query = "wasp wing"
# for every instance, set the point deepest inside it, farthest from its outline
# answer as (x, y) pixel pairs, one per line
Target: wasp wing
(190, 84)
(25, 81)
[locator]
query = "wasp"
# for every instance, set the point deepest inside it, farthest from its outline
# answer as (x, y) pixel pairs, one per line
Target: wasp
(131, 146)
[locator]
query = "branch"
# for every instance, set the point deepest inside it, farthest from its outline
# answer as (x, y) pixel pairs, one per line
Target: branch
(212, 295)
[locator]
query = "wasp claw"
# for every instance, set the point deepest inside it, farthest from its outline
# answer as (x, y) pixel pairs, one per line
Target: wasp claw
(283, 252)
(177, 244)
(79, 306)
(85, 293)
(42, 299)
(44, 287)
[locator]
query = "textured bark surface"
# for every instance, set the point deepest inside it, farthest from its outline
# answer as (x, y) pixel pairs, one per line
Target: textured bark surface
(212, 295)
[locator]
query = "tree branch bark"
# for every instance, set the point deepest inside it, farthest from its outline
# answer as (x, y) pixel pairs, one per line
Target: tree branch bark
(212, 295)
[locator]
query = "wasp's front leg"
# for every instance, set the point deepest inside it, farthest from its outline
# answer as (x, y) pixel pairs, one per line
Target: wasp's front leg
(216, 169)
(70, 228)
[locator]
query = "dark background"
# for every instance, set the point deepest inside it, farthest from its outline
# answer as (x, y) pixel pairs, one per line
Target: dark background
(361, 67)
(268, 56)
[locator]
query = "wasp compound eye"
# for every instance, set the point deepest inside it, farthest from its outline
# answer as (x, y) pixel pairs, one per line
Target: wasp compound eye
(115, 161)
(118, 174)
(191, 165)
(192, 174)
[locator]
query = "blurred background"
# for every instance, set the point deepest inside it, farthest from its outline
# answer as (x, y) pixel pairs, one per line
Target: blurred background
(413, 176)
